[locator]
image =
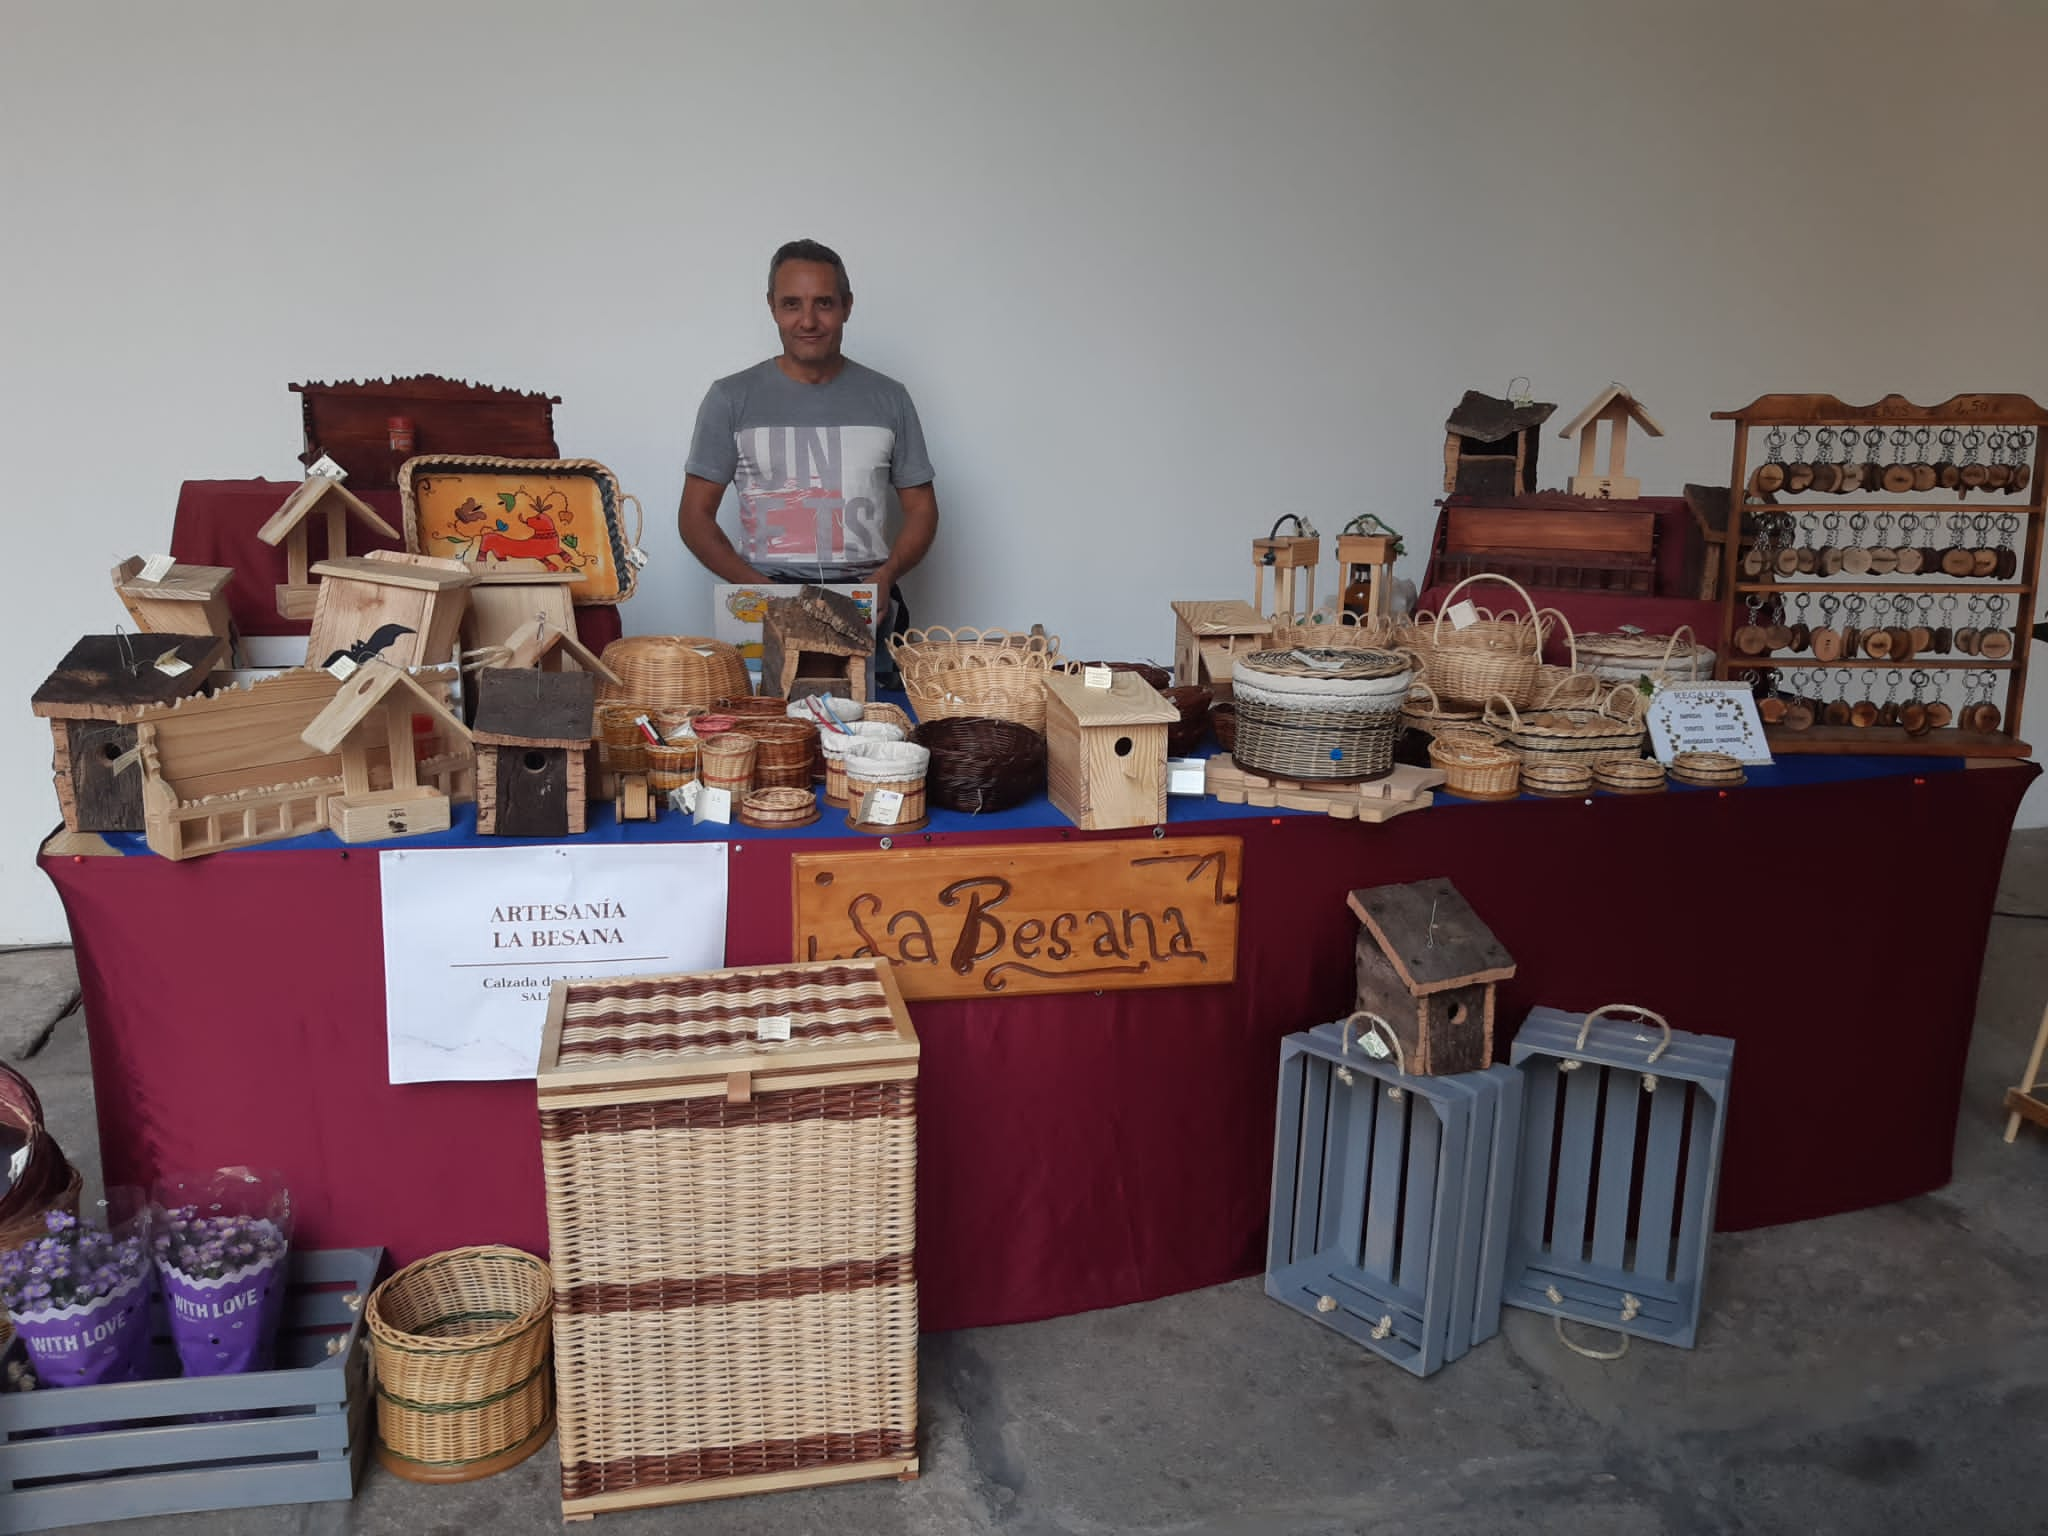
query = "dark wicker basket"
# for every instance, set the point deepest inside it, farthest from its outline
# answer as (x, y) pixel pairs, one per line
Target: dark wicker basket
(1152, 673)
(1193, 704)
(980, 764)
(1223, 721)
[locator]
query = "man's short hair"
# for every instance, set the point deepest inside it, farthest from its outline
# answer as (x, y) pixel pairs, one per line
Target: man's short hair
(808, 250)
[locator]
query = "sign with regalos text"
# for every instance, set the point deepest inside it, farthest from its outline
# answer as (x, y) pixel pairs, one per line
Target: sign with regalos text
(474, 937)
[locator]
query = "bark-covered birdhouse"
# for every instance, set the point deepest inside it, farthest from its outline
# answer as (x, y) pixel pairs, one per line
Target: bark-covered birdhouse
(532, 732)
(1490, 446)
(1617, 407)
(816, 642)
(1429, 966)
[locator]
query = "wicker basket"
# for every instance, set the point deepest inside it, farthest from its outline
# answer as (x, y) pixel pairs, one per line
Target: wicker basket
(1155, 676)
(726, 761)
(943, 647)
(750, 706)
(736, 1270)
(621, 745)
(1472, 665)
(1193, 703)
(1546, 778)
(672, 766)
(887, 714)
(1586, 736)
(834, 744)
(1223, 722)
(1423, 711)
(708, 726)
(1475, 766)
(886, 765)
(1375, 633)
(1319, 715)
(459, 1343)
(1003, 686)
(1630, 776)
(1623, 658)
(981, 765)
(786, 749)
(1707, 770)
(672, 670)
(779, 807)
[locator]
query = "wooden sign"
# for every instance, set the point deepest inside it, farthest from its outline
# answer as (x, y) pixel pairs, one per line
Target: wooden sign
(1028, 918)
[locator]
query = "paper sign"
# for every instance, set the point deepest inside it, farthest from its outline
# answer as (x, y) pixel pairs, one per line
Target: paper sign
(1186, 776)
(474, 937)
(342, 668)
(1707, 717)
(636, 557)
(684, 797)
(1320, 663)
(171, 664)
(157, 567)
(326, 468)
(881, 807)
(1463, 615)
(1097, 677)
(773, 1026)
(713, 805)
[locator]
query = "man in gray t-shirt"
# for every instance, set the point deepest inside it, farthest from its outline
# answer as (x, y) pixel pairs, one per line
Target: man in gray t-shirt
(813, 442)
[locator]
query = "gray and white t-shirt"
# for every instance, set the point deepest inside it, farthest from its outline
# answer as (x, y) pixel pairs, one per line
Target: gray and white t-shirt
(813, 463)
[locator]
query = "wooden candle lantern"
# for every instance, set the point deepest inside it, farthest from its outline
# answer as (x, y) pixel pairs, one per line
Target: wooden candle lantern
(186, 600)
(375, 708)
(1366, 551)
(1617, 407)
(1428, 965)
(813, 643)
(1284, 555)
(533, 732)
(287, 526)
(1106, 751)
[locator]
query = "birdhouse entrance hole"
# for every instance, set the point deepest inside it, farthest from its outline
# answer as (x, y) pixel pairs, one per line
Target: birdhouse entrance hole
(534, 762)
(1123, 746)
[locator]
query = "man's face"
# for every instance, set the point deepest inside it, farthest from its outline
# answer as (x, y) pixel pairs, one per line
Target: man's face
(808, 310)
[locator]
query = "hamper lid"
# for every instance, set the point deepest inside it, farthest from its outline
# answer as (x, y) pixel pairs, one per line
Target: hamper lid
(714, 1032)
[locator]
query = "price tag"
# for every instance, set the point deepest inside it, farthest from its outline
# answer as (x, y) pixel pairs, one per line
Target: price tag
(1370, 1042)
(1097, 677)
(684, 797)
(1463, 615)
(881, 807)
(713, 805)
(1186, 776)
(773, 1026)
(343, 668)
(1631, 629)
(171, 664)
(636, 557)
(157, 567)
(326, 468)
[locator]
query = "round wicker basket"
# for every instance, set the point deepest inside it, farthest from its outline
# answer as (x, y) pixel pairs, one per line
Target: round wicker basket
(833, 745)
(780, 807)
(887, 765)
(1611, 733)
(1621, 657)
(1475, 766)
(671, 766)
(943, 647)
(1007, 685)
(460, 1344)
(787, 746)
(1630, 775)
(726, 761)
(1708, 770)
(981, 765)
(1545, 778)
(672, 670)
(750, 706)
(1328, 716)
(1471, 665)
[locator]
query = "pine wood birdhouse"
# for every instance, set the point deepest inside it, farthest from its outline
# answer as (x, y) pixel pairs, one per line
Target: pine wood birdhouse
(533, 732)
(1209, 636)
(1284, 555)
(1490, 446)
(816, 642)
(1617, 407)
(375, 708)
(1106, 750)
(184, 600)
(1429, 966)
(336, 503)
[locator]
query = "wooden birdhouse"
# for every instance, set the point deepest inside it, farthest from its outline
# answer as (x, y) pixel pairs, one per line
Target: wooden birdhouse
(504, 605)
(1284, 555)
(1428, 966)
(1617, 407)
(287, 526)
(91, 702)
(813, 643)
(185, 600)
(375, 709)
(404, 609)
(1105, 750)
(547, 649)
(1208, 637)
(1490, 446)
(533, 731)
(1366, 551)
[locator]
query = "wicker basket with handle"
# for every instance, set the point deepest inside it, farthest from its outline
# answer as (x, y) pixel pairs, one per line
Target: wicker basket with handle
(1004, 686)
(968, 647)
(1472, 665)
(672, 670)
(1475, 766)
(1621, 657)
(1612, 732)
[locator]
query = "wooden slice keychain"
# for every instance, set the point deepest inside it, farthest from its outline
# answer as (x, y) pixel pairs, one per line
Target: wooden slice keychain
(1827, 639)
(1997, 473)
(1884, 559)
(1944, 632)
(1925, 475)
(1852, 627)
(1768, 478)
(1897, 476)
(1836, 711)
(1982, 715)
(1750, 638)
(1994, 641)
(1827, 474)
(2007, 565)
(1827, 560)
(1957, 559)
(1786, 561)
(1760, 559)
(1947, 473)
(1799, 713)
(1913, 716)
(1851, 480)
(1967, 636)
(2022, 461)
(1877, 644)
(1912, 559)
(1798, 472)
(1888, 711)
(1800, 640)
(1873, 461)
(1973, 474)
(1983, 554)
(1856, 559)
(1863, 714)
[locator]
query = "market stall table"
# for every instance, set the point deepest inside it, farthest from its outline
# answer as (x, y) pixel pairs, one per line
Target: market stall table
(1085, 1150)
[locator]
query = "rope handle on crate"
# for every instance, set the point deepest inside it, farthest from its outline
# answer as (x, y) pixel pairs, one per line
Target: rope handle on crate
(1301, 529)
(1444, 608)
(1586, 1028)
(1385, 1032)
(1629, 1308)
(1368, 525)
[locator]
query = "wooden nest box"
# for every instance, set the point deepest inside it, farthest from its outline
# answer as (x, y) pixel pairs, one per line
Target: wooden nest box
(816, 642)
(1490, 446)
(287, 526)
(1617, 407)
(533, 731)
(185, 600)
(1105, 750)
(1429, 966)
(375, 708)
(1283, 555)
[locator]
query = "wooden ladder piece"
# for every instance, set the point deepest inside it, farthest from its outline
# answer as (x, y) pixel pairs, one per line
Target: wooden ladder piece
(2021, 1102)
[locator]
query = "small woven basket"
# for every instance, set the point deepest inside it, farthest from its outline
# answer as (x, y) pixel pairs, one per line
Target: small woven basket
(1319, 715)
(1630, 776)
(1471, 665)
(1003, 686)
(1372, 634)
(1612, 733)
(1194, 703)
(786, 749)
(621, 746)
(726, 761)
(981, 765)
(1707, 770)
(460, 1345)
(887, 714)
(782, 807)
(940, 646)
(1223, 723)
(672, 766)
(749, 705)
(1620, 657)
(1423, 711)
(1475, 766)
(708, 726)
(887, 765)
(834, 744)
(675, 670)
(1545, 778)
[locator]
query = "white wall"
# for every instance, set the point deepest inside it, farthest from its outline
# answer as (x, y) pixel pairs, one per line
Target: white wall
(1155, 272)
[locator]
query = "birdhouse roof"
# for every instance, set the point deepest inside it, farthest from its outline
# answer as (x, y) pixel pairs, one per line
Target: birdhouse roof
(1612, 394)
(360, 695)
(1128, 700)
(817, 620)
(531, 646)
(1483, 419)
(312, 491)
(180, 584)
(94, 680)
(519, 708)
(1432, 937)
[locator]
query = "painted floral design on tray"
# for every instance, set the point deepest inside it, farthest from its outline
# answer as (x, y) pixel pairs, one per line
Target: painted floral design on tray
(524, 524)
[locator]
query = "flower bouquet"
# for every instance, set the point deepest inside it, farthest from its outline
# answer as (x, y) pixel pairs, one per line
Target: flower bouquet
(79, 1295)
(221, 1243)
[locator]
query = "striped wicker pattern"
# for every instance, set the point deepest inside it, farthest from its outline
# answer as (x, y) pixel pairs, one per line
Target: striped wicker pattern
(900, 766)
(834, 744)
(779, 808)
(1588, 737)
(1629, 775)
(672, 766)
(786, 747)
(1474, 765)
(672, 670)
(735, 1286)
(1471, 665)
(939, 646)
(1622, 657)
(1319, 715)
(746, 705)
(460, 1347)
(726, 761)
(1546, 778)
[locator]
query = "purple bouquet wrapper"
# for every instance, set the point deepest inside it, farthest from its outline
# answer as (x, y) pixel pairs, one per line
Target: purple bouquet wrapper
(227, 1325)
(102, 1341)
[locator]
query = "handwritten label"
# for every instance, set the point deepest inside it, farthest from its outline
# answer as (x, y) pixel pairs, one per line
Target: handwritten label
(713, 805)
(342, 668)
(774, 1026)
(1463, 615)
(157, 567)
(1707, 717)
(171, 664)
(1097, 677)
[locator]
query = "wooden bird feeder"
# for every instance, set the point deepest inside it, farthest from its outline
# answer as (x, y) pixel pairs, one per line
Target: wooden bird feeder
(1617, 407)
(185, 600)
(1208, 637)
(1366, 551)
(1429, 966)
(287, 526)
(1283, 555)
(815, 642)
(533, 731)
(1106, 750)
(1490, 446)
(375, 708)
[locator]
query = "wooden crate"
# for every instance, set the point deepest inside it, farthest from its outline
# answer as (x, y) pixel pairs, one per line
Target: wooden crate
(1568, 543)
(1621, 1155)
(293, 1435)
(731, 1221)
(1391, 1199)
(1105, 751)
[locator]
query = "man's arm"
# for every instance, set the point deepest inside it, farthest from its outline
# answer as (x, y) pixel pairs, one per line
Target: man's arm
(920, 525)
(697, 521)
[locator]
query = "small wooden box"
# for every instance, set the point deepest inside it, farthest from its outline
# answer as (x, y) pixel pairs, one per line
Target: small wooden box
(1209, 636)
(731, 1227)
(1105, 751)
(1391, 1199)
(388, 813)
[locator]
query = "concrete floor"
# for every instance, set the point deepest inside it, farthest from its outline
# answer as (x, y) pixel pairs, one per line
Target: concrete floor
(1882, 1372)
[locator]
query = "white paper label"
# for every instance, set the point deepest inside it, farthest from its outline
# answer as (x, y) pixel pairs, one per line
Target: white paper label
(1320, 663)
(326, 468)
(1097, 677)
(881, 807)
(17, 1164)
(343, 668)
(157, 567)
(171, 664)
(713, 805)
(636, 557)
(683, 797)
(1463, 615)
(1186, 776)
(1373, 1046)
(773, 1026)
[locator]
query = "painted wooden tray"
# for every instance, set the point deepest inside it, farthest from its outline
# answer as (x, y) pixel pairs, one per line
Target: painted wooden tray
(512, 514)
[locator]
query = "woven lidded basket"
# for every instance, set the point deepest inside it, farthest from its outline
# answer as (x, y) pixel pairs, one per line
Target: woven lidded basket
(1319, 715)
(981, 765)
(1006, 685)
(1621, 657)
(672, 670)
(735, 1259)
(1612, 732)
(899, 766)
(459, 1342)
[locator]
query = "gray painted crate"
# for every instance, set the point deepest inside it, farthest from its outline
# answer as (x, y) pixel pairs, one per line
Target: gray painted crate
(1390, 1214)
(1617, 1184)
(153, 1447)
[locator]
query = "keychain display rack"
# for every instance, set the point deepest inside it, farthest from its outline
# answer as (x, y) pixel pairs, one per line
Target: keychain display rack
(1888, 596)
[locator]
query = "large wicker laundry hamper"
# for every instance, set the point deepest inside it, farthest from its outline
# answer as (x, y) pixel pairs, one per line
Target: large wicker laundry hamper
(732, 1229)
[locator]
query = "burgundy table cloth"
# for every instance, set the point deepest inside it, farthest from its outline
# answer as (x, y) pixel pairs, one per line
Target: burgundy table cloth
(1084, 1151)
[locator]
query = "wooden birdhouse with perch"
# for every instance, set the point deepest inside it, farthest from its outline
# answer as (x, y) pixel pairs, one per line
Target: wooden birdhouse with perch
(1366, 551)
(375, 708)
(1428, 966)
(533, 731)
(326, 495)
(1617, 407)
(1490, 446)
(183, 600)
(1284, 555)
(813, 643)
